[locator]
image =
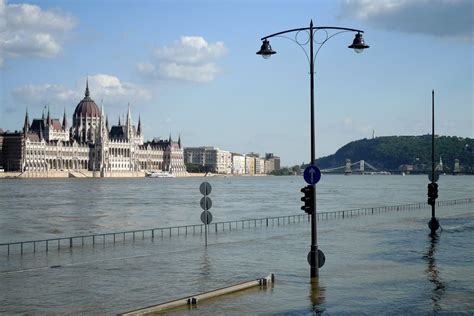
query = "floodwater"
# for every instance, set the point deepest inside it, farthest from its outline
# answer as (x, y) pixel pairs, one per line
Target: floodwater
(375, 264)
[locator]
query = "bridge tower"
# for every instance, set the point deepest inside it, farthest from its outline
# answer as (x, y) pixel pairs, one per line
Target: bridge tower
(361, 166)
(348, 169)
(457, 167)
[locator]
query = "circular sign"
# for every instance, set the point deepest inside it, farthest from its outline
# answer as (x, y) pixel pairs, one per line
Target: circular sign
(205, 188)
(436, 177)
(321, 259)
(206, 203)
(206, 217)
(433, 224)
(312, 174)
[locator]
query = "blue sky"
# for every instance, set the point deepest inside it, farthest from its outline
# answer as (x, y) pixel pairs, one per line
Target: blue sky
(189, 68)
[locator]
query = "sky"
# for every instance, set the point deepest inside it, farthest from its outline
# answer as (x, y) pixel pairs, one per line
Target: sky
(189, 69)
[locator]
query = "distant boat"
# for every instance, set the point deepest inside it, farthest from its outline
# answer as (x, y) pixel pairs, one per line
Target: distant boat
(384, 173)
(403, 173)
(160, 174)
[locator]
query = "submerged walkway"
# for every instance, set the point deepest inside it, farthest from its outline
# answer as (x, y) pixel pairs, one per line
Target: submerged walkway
(45, 245)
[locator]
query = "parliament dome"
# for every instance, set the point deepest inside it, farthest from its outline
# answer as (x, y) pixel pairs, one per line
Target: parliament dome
(87, 106)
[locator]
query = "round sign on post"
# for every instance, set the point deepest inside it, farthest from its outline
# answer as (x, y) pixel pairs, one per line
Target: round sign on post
(205, 188)
(433, 224)
(206, 203)
(312, 174)
(321, 259)
(206, 217)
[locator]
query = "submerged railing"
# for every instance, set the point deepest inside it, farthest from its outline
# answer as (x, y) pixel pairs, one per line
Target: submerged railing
(20, 247)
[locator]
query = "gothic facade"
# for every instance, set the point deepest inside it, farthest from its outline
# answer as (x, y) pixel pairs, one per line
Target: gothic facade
(90, 145)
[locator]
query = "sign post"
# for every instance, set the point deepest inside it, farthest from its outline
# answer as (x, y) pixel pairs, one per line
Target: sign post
(316, 257)
(206, 203)
(433, 224)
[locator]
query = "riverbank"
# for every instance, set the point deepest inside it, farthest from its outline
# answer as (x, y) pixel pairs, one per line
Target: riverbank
(69, 174)
(115, 174)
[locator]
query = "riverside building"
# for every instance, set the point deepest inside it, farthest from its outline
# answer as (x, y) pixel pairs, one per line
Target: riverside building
(224, 162)
(89, 147)
(219, 161)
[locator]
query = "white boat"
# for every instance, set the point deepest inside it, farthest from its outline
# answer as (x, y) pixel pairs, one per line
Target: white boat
(160, 174)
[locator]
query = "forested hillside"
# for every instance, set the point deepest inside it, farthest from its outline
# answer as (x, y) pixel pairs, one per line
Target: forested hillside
(390, 152)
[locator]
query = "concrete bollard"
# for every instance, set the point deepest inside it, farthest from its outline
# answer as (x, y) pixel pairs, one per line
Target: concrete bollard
(195, 299)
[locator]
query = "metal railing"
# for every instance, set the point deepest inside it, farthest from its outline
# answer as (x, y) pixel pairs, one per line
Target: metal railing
(20, 247)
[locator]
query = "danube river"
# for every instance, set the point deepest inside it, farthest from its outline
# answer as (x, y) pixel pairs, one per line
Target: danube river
(375, 264)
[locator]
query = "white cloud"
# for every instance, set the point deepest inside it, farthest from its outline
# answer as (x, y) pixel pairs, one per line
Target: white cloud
(113, 91)
(27, 30)
(102, 87)
(146, 68)
(45, 94)
(197, 73)
(191, 50)
(191, 58)
(444, 18)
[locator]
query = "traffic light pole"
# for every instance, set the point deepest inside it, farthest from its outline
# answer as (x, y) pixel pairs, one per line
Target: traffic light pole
(432, 150)
(433, 224)
(314, 235)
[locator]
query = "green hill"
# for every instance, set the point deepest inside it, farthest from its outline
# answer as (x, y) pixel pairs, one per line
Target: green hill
(390, 152)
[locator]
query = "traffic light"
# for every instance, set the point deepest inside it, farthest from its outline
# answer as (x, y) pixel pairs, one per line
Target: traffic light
(308, 199)
(432, 193)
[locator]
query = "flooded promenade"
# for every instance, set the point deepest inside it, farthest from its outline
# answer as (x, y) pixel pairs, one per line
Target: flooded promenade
(383, 263)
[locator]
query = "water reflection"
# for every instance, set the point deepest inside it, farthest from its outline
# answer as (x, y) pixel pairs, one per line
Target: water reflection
(433, 273)
(206, 266)
(317, 296)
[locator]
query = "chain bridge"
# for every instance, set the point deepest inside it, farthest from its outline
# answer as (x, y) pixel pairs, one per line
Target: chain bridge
(359, 167)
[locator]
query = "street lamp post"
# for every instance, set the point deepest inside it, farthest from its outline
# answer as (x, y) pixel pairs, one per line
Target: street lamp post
(266, 51)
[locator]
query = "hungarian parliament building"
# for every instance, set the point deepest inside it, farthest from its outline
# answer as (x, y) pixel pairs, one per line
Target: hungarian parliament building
(89, 145)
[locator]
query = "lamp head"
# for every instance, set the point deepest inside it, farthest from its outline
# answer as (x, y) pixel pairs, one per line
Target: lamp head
(266, 50)
(358, 44)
